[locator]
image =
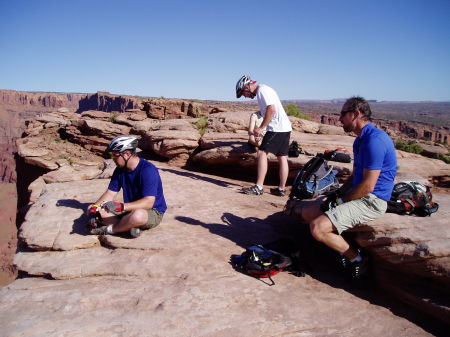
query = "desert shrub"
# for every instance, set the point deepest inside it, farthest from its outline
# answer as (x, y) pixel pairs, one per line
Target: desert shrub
(444, 158)
(293, 110)
(408, 146)
(201, 125)
(113, 116)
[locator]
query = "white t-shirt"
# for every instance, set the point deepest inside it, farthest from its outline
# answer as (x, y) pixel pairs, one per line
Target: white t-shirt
(267, 96)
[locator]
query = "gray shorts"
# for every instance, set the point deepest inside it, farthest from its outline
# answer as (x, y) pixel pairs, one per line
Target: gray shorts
(356, 212)
(154, 218)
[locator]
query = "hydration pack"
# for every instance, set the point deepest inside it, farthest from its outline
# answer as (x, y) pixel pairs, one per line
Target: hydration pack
(340, 155)
(314, 179)
(260, 262)
(411, 197)
(294, 149)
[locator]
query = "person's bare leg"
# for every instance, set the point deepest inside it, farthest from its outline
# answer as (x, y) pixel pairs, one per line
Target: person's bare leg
(322, 230)
(283, 170)
(136, 218)
(262, 167)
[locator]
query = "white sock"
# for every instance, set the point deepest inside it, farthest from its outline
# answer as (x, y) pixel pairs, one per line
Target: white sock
(260, 187)
(110, 230)
(356, 259)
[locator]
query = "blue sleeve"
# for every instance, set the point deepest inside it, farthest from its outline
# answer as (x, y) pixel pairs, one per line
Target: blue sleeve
(150, 182)
(114, 184)
(373, 154)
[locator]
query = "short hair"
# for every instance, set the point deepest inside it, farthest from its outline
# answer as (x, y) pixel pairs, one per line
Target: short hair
(359, 103)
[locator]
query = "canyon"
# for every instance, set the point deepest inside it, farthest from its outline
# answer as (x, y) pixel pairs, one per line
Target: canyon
(56, 143)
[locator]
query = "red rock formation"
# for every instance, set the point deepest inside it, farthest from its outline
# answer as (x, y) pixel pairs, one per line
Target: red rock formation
(413, 130)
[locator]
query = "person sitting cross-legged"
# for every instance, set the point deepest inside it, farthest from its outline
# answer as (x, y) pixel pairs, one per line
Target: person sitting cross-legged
(144, 204)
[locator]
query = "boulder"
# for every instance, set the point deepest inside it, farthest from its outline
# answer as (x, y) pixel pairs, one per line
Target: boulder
(57, 220)
(35, 189)
(331, 130)
(303, 125)
(72, 173)
(32, 150)
(174, 140)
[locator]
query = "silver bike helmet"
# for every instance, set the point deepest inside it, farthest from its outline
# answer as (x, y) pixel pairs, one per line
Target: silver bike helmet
(243, 81)
(122, 144)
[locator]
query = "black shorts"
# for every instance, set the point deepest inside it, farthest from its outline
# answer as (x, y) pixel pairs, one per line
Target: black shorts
(276, 143)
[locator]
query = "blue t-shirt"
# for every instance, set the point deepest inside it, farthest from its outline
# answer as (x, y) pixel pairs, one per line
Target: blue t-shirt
(374, 150)
(143, 181)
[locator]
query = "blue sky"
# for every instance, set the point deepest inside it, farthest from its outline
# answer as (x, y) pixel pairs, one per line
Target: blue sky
(315, 49)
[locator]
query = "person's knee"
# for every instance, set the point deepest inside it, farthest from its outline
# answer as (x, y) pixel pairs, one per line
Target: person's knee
(282, 159)
(318, 229)
(139, 217)
(314, 228)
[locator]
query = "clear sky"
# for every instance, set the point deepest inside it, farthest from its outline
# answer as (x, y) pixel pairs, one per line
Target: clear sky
(304, 49)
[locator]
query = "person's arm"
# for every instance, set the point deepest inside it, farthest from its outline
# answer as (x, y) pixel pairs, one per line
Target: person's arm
(270, 112)
(94, 208)
(366, 186)
(252, 124)
(144, 203)
(107, 196)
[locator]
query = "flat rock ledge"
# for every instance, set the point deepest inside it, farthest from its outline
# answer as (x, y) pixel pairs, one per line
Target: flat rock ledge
(176, 280)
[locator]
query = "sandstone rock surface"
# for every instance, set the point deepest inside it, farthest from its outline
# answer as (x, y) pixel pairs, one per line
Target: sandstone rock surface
(176, 280)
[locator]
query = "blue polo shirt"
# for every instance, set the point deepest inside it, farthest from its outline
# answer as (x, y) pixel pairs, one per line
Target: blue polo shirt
(374, 150)
(143, 181)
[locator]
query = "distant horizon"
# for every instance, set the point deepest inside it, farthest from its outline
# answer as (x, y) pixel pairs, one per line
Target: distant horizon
(235, 101)
(310, 50)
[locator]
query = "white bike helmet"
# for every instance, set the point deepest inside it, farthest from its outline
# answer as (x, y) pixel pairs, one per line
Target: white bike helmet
(122, 144)
(243, 81)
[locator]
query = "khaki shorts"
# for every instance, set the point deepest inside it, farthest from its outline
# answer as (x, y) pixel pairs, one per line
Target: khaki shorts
(356, 212)
(154, 218)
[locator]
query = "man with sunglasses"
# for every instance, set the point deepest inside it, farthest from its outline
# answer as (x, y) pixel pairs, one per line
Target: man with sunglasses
(363, 197)
(276, 139)
(144, 204)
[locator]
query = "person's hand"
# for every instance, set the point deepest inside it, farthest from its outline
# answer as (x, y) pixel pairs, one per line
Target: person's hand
(113, 206)
(332, 200)
(257, 132)
(92, 210)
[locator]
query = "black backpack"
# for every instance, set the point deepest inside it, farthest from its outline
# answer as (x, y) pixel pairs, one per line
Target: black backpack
(260, 262)
(412, 198)
(294, 149)
(314, 179)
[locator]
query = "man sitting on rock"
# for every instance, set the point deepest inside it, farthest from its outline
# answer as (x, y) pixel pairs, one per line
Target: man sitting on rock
(276, 139)
(144, 204)
(363, 196)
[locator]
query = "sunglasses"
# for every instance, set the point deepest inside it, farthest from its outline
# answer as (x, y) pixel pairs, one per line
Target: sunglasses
(346, 111)
(114, 155)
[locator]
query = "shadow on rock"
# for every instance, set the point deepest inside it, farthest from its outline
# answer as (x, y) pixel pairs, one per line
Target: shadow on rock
(242, 231)
(80, 224)
(199, 177)
(322, 263)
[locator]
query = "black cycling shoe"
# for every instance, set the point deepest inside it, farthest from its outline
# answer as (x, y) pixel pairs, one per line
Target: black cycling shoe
(278, 192)
(344, 263)
(359, 269)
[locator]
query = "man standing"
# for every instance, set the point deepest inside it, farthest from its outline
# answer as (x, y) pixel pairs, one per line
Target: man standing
(144, 204)
(276, 139)
(363, 196)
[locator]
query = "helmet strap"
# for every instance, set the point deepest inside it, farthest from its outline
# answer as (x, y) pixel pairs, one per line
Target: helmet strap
(126, 160)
